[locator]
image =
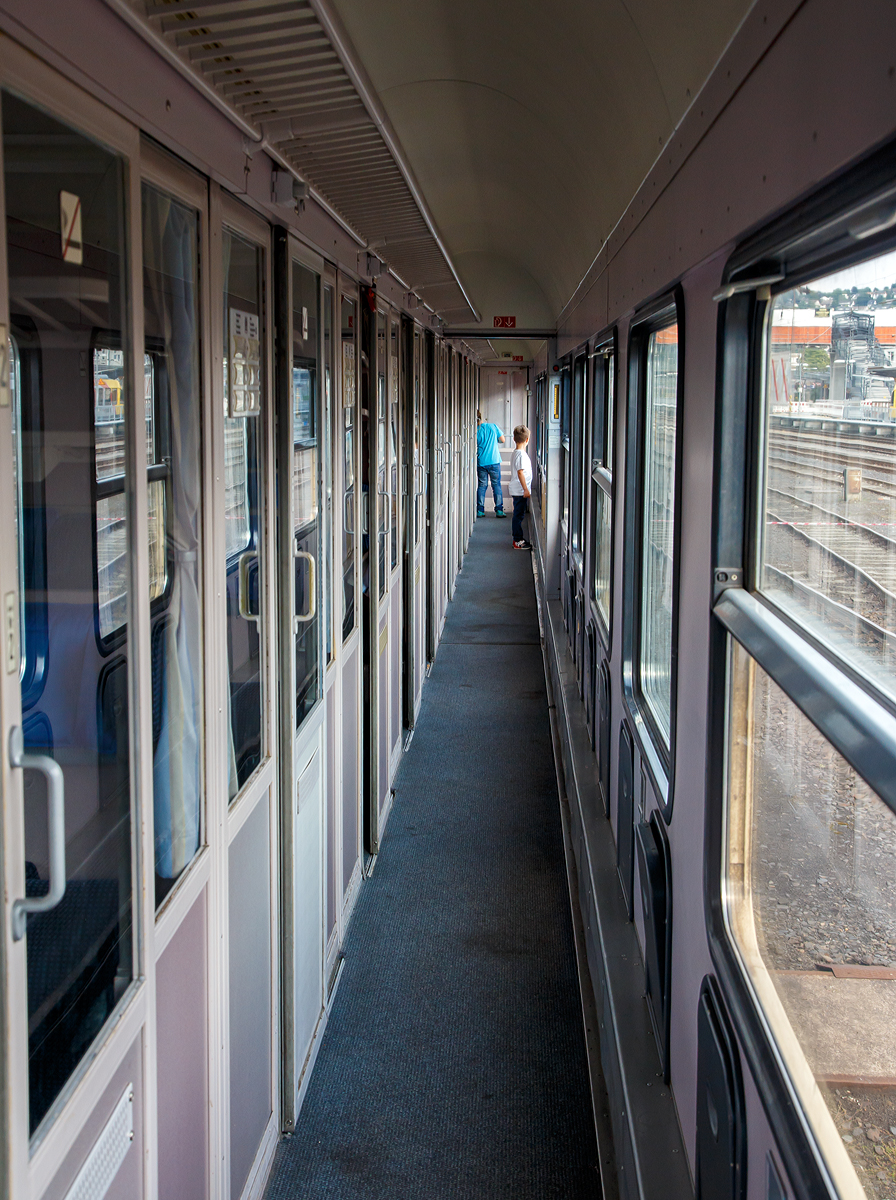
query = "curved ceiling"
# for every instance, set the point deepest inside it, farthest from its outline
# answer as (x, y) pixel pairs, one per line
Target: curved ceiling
(530, 126)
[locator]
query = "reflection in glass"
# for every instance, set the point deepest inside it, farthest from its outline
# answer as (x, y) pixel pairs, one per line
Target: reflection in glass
(74, 685)
(350, 513)
(172, 325)
(243, 500)
(305, 486)
(811, 857)
(829, 520)
(655, 648)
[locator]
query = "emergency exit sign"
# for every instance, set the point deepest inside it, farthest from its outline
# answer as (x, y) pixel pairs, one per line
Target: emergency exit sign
(505, 323)
(517, 358)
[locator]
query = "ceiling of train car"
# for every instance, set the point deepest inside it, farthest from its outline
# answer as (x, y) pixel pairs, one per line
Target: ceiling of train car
(530, 127)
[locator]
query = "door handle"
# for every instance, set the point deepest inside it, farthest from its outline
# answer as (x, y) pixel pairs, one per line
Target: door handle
(441, 460)
(52, 772)
(346, 497)
(387, 524)
(418, 488)
(312, 588)
(245, 562)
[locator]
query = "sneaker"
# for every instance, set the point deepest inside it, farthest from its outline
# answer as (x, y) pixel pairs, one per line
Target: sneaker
(480, 512)
(499, 512)
(523, 545)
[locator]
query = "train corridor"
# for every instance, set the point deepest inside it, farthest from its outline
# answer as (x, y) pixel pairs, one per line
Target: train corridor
(454, 1061)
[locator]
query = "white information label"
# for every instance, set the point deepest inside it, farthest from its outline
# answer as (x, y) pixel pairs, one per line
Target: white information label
(553, 436)
(348, 374)
(244, 365)
(70, 226)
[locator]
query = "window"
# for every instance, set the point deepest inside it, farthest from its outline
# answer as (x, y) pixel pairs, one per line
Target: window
(603, 390)
(564, 481)
(349, 498)
(173, 407)
(810, 863)
(807, 921)
(577, 459)
(656, 602)
(244, 488)
(828, 520)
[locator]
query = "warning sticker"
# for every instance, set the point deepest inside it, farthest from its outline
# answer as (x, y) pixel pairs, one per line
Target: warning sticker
(70, 225)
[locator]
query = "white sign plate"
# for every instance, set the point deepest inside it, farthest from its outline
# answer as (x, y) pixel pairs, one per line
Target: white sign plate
(244, 365)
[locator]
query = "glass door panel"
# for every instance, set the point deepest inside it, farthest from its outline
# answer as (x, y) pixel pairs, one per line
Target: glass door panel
(306, 485)
(244, 489)
(174, 462)
(65, 202)
(349, 499)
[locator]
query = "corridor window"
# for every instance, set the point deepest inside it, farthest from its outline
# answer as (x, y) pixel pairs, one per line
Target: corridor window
(660, 398)
(828, 520)
(603, 379)
(577, 460)
(810, 861)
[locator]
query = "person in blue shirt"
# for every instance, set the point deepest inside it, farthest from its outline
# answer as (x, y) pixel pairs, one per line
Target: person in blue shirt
(488, 465)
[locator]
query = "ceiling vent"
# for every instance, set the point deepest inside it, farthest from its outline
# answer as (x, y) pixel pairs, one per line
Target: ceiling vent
(286, 73)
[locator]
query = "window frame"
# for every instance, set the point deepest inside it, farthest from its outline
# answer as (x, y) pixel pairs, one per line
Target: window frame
(602, 471)
(661, 313)
(28, 414)
(843, 223)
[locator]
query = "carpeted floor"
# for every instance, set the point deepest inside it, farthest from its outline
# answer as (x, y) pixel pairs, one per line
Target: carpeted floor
(453, 1066)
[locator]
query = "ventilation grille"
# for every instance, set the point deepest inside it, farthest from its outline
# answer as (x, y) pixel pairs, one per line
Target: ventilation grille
(95, 1177)
(273, 62)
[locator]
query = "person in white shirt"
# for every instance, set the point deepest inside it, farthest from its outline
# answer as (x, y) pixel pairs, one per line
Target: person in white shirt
(520, 486)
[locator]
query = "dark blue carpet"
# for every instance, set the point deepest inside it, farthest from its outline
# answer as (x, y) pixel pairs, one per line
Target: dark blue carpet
(453, 1065)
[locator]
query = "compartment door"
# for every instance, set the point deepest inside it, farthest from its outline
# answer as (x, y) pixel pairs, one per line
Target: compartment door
(66, 571)
(298, 305)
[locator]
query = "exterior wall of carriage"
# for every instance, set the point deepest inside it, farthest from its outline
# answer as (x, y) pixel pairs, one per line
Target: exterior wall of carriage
(228, 913)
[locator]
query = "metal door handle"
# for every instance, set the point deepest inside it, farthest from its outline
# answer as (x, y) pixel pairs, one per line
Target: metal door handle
(312, 587)
(441, 460)
(387, 524)
(418, 490)
(245, 562)
(346, 497)
(52, 772)
(365, 512)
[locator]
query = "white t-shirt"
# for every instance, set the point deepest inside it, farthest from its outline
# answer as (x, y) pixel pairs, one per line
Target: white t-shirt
(519, 461)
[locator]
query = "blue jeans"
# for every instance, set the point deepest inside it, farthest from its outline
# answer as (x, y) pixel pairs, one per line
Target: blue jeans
(485, 474)
(520, 508)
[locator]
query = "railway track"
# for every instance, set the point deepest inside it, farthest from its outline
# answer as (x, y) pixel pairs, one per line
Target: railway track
(870, 553)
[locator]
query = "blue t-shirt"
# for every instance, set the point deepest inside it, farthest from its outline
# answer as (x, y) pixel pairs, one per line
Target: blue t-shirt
(487, 452)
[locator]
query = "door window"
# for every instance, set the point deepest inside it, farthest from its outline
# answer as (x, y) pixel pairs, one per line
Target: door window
(306, 484)
(172, 337)
(244, 490)
(65, 204)
(350, 496)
